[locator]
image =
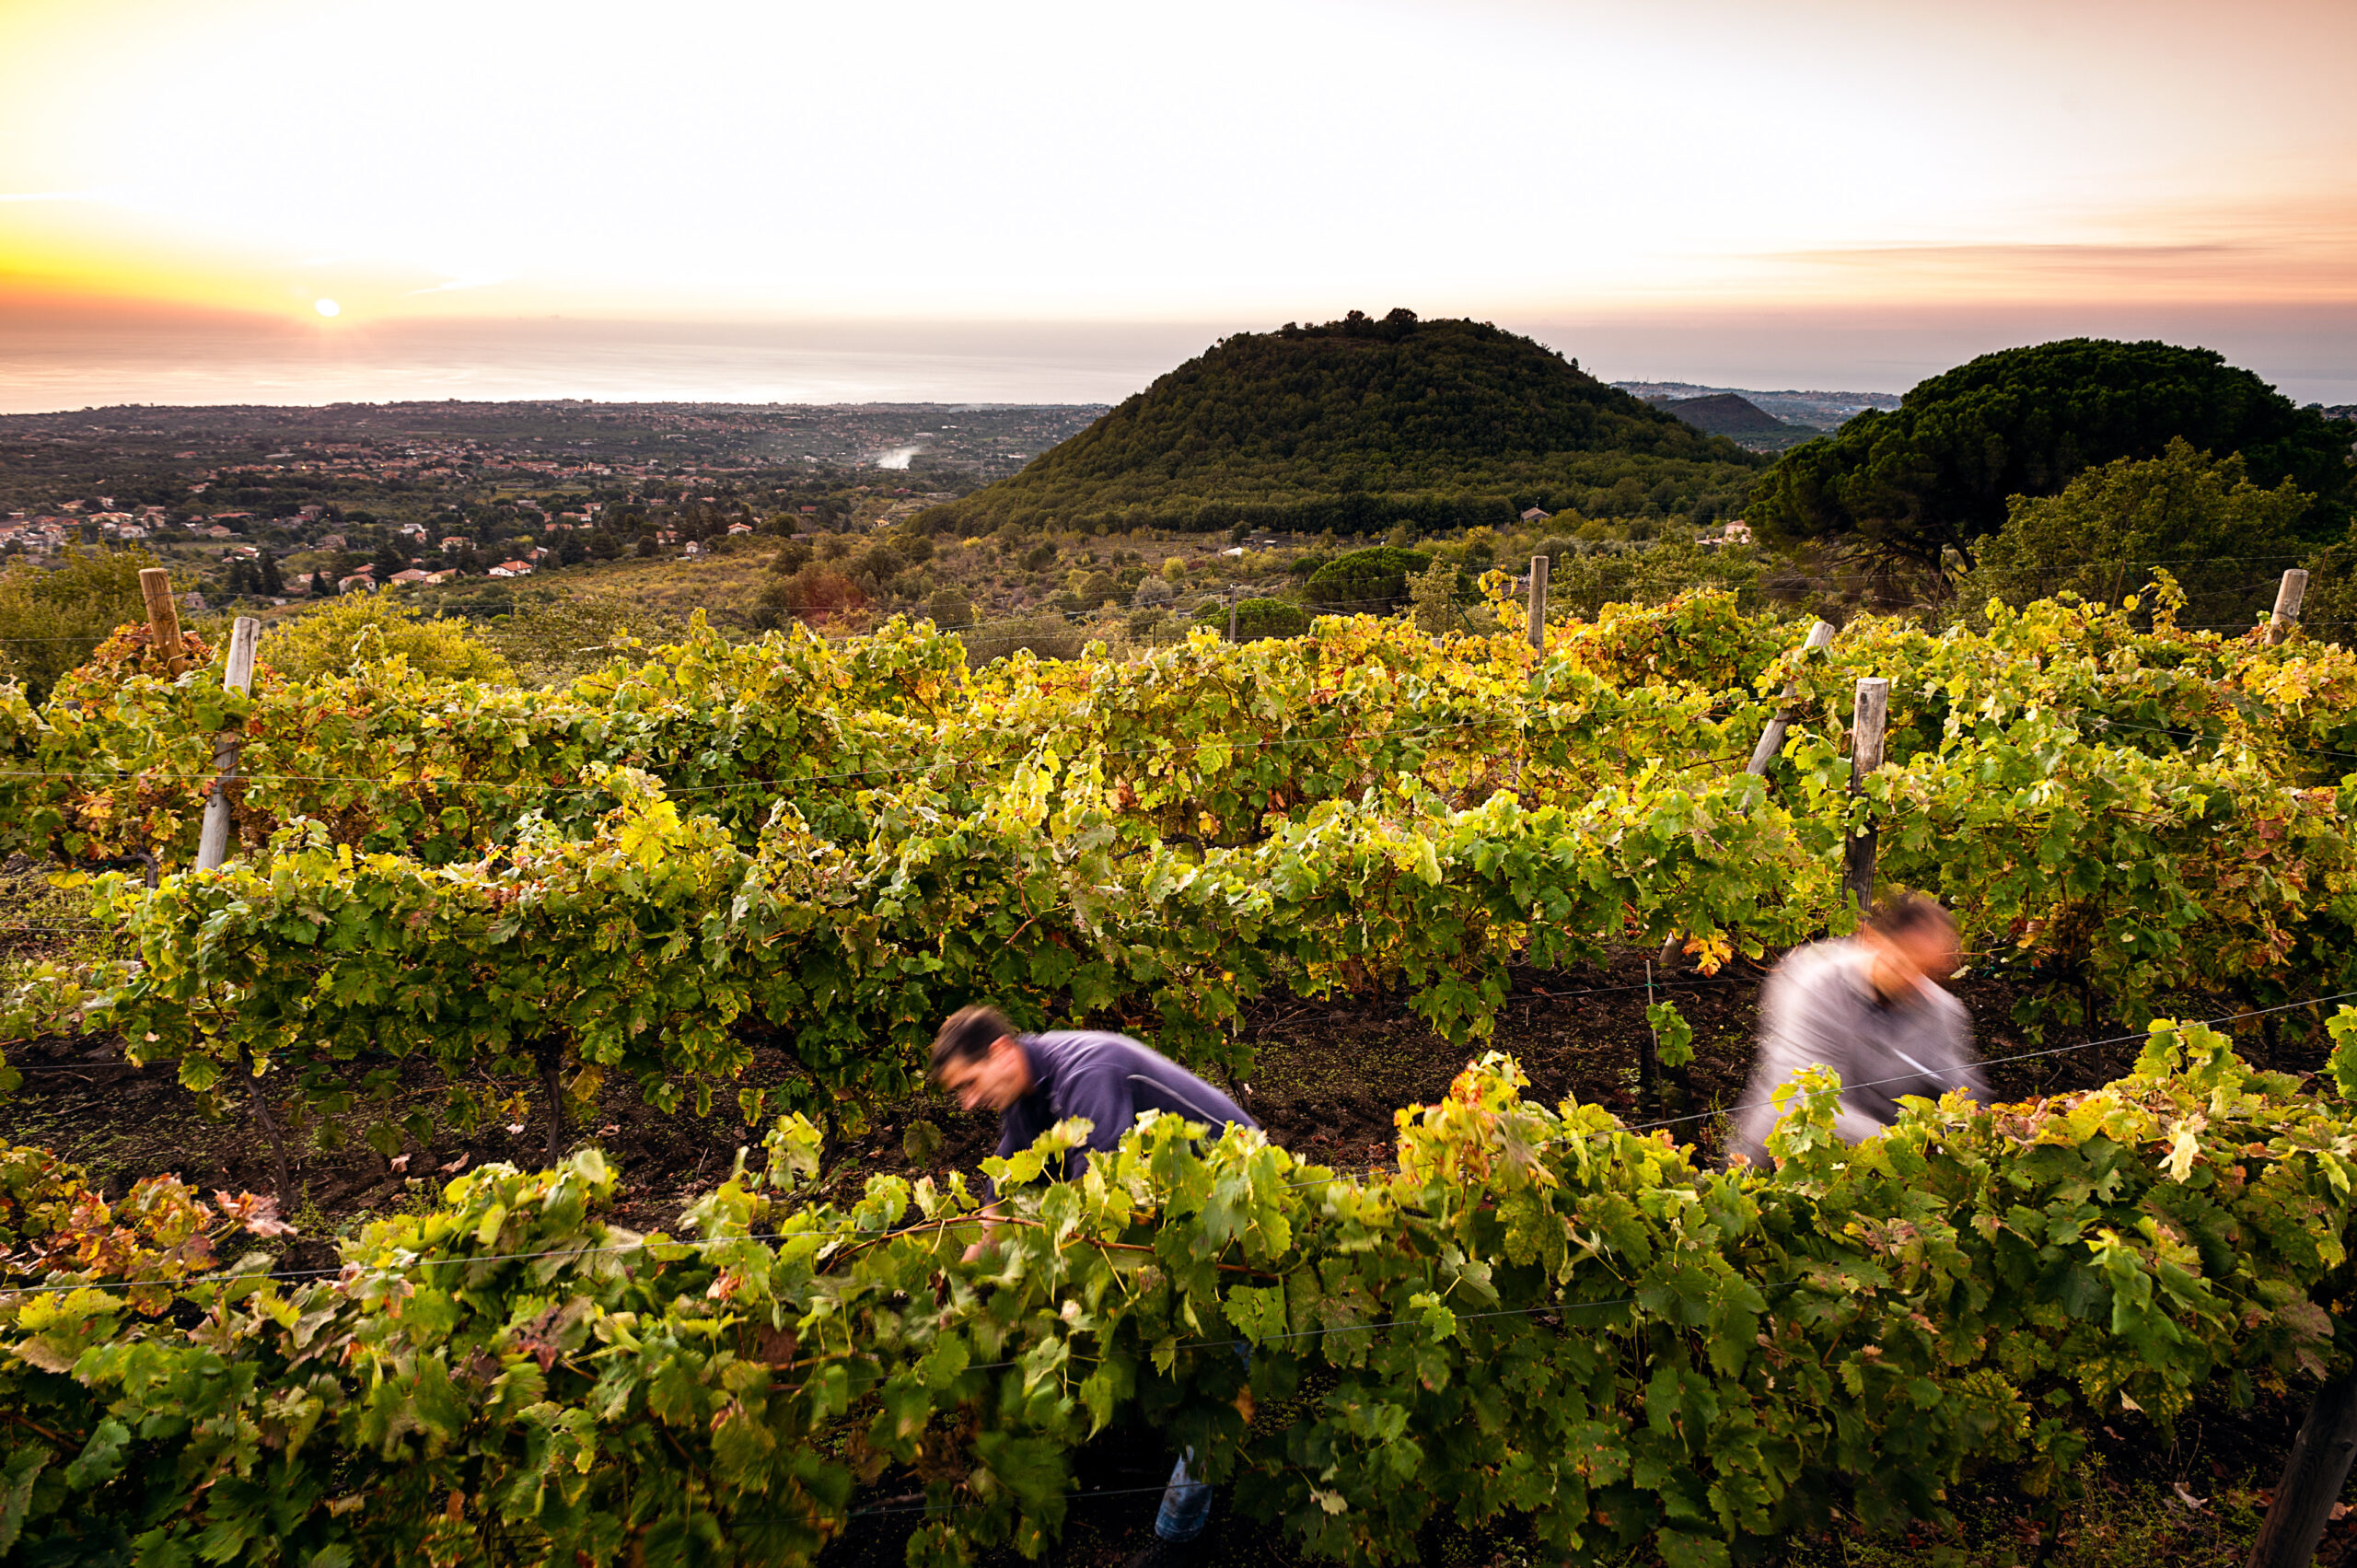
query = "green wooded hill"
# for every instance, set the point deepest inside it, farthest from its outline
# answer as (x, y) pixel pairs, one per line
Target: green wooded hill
(1360, 423)
(1913, 485)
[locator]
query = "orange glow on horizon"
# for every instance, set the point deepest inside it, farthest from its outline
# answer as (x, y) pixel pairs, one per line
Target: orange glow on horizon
(762, 160)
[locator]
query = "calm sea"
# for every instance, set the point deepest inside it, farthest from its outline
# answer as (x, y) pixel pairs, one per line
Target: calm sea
(74, 363)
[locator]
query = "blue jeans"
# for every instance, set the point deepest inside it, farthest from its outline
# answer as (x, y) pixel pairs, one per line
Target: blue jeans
(1186, 1501)
(1186, 1505)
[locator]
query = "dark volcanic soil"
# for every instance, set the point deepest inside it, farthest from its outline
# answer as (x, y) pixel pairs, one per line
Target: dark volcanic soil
(1327, 1076)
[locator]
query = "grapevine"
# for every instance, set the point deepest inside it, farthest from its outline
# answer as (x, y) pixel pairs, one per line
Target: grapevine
(1535, 1313)
(681, 861)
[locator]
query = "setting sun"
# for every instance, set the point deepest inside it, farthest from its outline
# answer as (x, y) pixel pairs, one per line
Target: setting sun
(1855, 194)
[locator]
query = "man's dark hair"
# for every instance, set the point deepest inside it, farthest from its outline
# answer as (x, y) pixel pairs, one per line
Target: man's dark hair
(969, 1034)
(1907, 914)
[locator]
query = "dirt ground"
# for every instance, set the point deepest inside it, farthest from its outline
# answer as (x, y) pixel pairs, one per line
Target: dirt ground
(1327, 1075)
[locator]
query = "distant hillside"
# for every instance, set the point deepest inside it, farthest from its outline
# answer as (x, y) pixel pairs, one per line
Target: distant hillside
(1359, 424)
(1738, 419)
(1725, 414)
(1816, 411)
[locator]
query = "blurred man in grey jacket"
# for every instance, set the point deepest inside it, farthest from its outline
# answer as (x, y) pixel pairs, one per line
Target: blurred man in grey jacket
(1872, 1009)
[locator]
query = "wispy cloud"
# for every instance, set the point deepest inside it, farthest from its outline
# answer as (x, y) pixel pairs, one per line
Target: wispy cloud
(2061, 255)
(2255, 250)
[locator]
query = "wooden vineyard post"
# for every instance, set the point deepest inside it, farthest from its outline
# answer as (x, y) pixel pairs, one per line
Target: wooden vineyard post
(163, 617)
(213, 842)
(212, 845)
(2287, 605)
(547, 1054)
(1538, 604)
(1771, 741)
(1649, 1055)
(2313, 1477)
(1868, 716)
(1231, 612)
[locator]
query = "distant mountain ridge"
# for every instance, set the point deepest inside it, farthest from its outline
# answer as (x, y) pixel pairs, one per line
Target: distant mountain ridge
(1818, 410)
(1360, 423)
(1724, 413)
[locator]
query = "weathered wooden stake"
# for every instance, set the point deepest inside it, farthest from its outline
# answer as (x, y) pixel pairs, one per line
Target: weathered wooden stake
(2287, 605)
(1538, 604)
(1868, 716)
(1771, 741)
(1649, 1055)
(549, 1054)
(163, 617)
(212, 845)
(2313, 1477)
(212, 842)
(258, 1107)
(1231, 612)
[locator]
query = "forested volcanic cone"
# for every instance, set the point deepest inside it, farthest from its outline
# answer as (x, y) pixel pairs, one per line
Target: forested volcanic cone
(1360, 423)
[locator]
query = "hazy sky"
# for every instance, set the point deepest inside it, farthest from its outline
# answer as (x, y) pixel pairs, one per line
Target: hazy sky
(1690, 187)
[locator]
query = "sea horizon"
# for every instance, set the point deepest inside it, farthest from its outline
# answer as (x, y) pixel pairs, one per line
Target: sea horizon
(66, 361)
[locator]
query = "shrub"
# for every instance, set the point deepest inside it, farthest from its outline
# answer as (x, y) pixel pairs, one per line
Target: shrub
(1536, 1317)
(816, 593)
(552, 638)
(1048, 635)
(1647, 574)
(878, 565)
(362, 630)
(1435, 592)
(1256, 618)
(948, 608)
(50, 621)
(1093, 589)
(2200, 516)
(1366, 579)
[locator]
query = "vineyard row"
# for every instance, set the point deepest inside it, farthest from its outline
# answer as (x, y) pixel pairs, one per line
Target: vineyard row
(1537, 1315)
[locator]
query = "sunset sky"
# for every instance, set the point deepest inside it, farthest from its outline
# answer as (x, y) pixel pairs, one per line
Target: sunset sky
(1704, 190)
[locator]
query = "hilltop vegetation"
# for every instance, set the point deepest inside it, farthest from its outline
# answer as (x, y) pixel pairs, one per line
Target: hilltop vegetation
(1357, 425)
(2224, 537)
(1932, 477)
